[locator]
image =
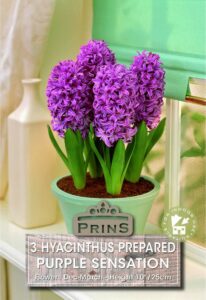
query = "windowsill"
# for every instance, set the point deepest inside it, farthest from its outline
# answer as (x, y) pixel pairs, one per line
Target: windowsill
(12, 248)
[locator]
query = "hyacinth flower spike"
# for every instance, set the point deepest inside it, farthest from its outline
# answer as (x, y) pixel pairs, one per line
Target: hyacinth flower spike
(114, 89)
(70, 101)
(70, 106)
(91, 57)
(149, 99)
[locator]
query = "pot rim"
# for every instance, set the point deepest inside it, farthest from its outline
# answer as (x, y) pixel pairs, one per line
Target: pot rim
(154, 191)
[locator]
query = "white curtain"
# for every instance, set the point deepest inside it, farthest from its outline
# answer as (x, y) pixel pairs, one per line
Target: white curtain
(24, 28)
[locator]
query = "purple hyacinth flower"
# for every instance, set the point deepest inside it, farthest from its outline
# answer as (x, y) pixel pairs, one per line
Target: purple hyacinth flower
(69, 99)
(114, 110)
(92, 56)
(150, 88)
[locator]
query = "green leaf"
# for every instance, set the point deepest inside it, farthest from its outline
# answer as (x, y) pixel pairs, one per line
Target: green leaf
(80, 139)
(137, 159)
(88, 157)
(159, 176)
(200, 138)
(99, 144)
(76, 158)
(102, 163)
(129, 149)
(192, 152)
(58, 149)
(93, 163)
(154, 136)
(91, 129)
(107, 157)
(117, 167)
(128, 155)
(198, 117)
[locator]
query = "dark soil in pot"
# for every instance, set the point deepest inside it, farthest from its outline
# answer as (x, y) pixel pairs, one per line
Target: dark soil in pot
(95, 188)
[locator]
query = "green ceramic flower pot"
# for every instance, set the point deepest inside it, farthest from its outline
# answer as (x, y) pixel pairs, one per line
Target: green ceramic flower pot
(138, 206)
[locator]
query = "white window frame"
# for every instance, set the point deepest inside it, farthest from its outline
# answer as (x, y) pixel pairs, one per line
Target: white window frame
(172, 170)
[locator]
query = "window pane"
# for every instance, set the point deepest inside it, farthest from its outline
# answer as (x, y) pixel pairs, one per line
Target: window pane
(193, 164)
(155, 167)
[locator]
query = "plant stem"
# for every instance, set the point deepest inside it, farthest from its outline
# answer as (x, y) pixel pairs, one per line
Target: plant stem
(79, 182)
(94, 167)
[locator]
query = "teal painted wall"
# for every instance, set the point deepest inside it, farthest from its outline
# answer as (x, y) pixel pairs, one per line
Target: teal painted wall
(175, 29)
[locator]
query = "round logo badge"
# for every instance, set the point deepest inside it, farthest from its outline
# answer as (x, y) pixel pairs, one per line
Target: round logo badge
(179, 223)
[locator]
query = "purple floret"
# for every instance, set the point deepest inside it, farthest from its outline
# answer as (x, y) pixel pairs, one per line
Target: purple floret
(69, 99)
(94, 55)
(114, 110)
(150, 91)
